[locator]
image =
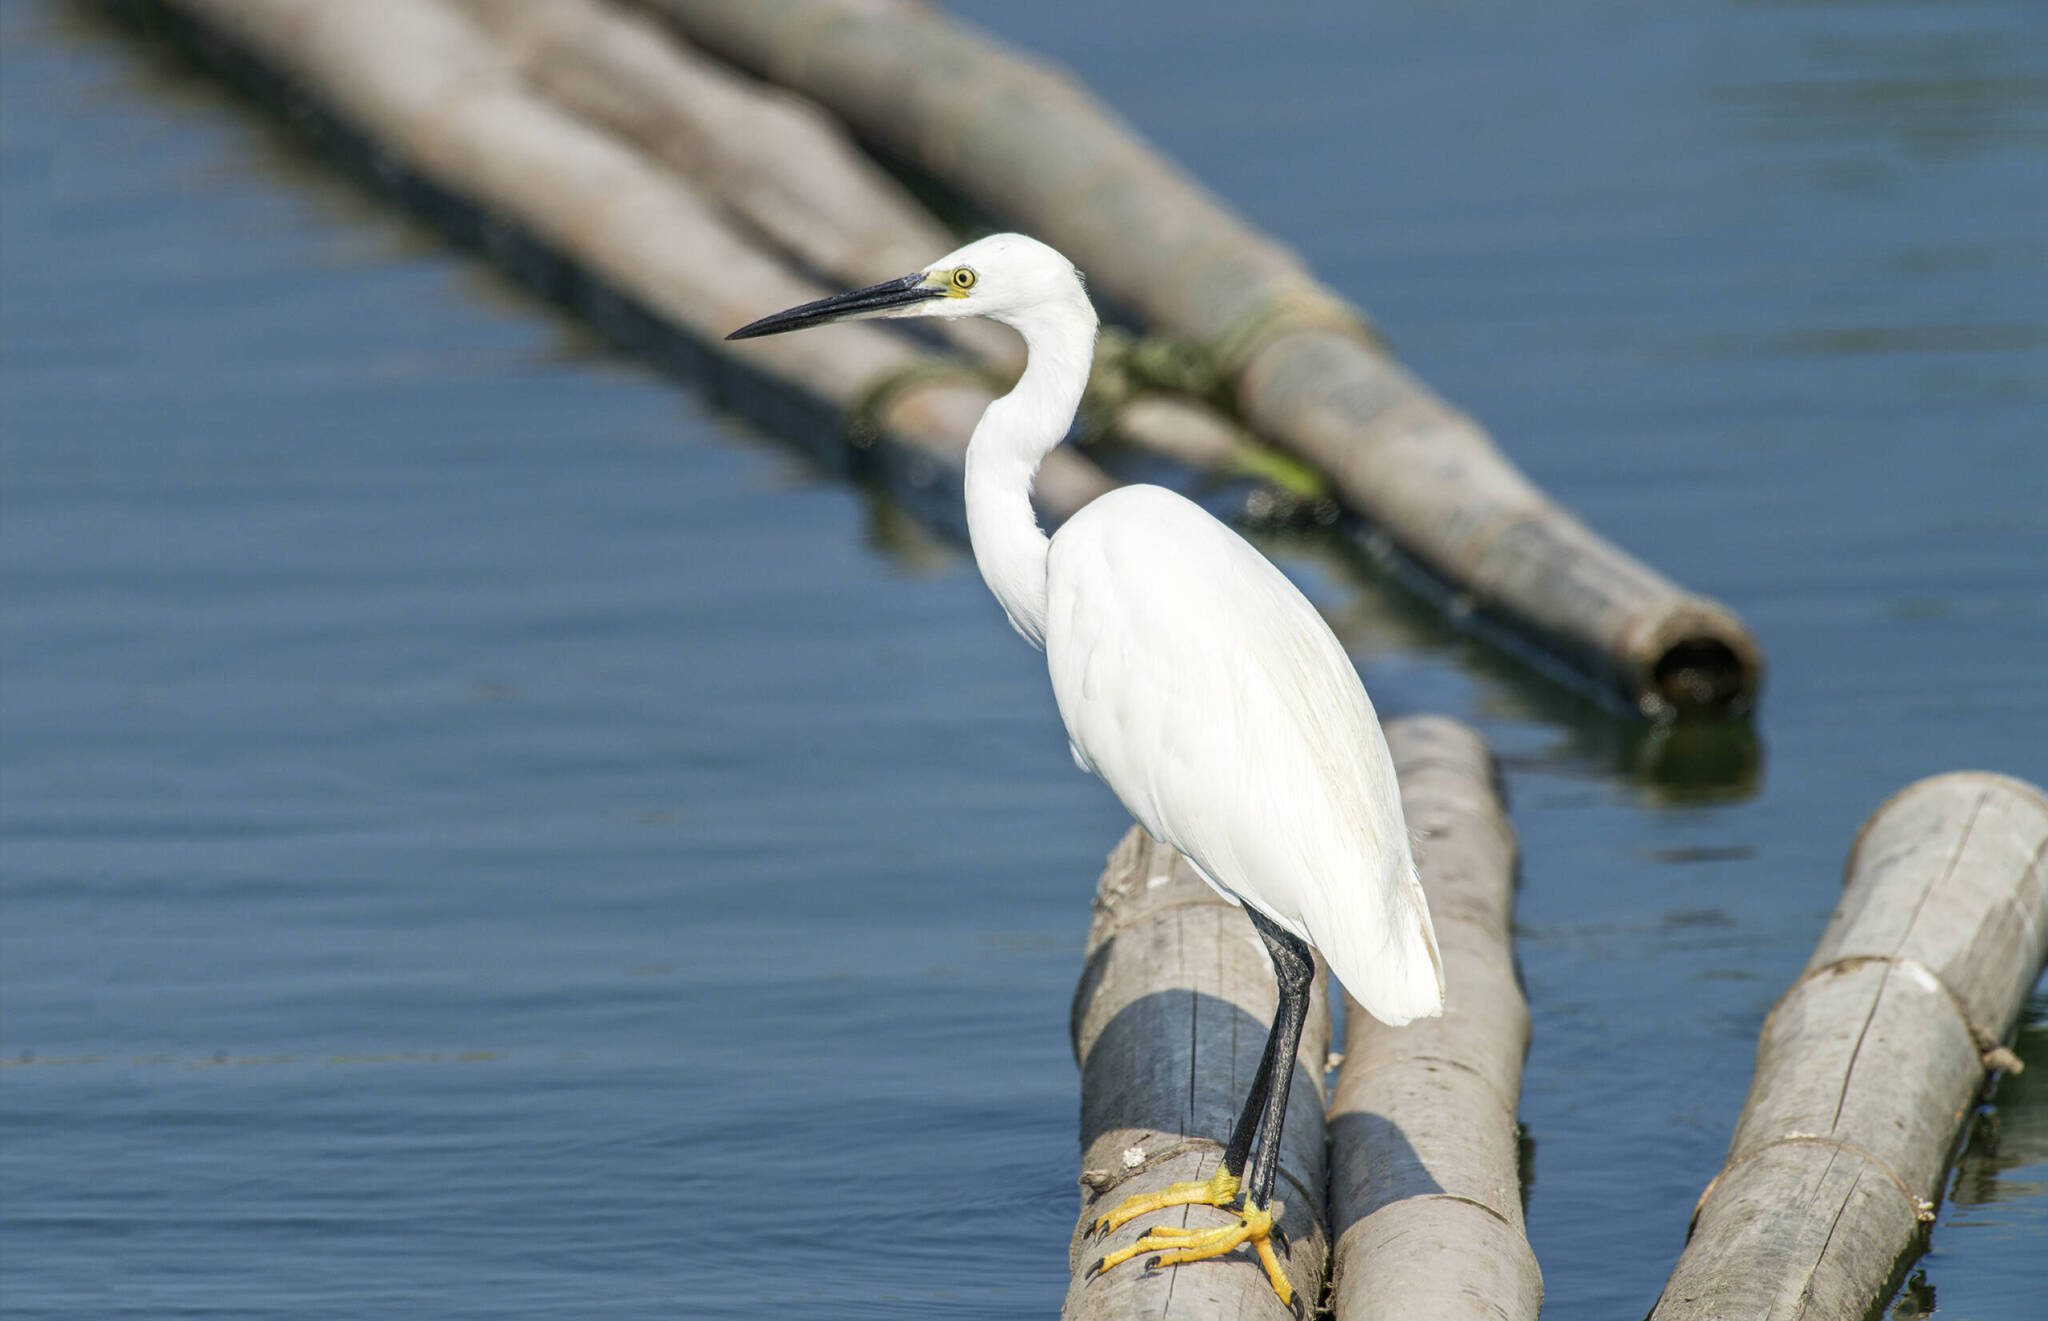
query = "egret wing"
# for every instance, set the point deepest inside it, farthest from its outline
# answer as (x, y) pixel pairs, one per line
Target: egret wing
(1206, 691)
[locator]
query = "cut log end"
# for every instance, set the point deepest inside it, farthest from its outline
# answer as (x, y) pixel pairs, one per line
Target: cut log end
(1702, 674)
(1690, 656)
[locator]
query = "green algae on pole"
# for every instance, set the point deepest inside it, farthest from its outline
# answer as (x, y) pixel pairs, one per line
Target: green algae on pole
(1303, 368)
(1869, 1068)
(1425, 1188)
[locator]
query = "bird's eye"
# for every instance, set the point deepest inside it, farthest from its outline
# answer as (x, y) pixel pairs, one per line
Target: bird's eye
(963, 279)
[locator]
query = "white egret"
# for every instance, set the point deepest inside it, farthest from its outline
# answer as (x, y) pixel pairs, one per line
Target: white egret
(1203, 688)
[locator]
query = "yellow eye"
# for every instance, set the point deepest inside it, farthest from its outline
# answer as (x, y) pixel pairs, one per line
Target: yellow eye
(963, 279)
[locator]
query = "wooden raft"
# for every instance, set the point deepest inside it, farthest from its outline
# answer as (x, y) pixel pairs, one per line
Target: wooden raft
(669, 198)
(1301, 365)
(1869, 1069)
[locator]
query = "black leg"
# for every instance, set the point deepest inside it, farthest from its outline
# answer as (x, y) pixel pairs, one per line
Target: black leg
(1237, 1155)
(1294, 968)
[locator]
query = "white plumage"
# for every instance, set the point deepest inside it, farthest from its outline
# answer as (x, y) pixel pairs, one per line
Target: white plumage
(1206, 691)
(1193, 677)
(1202, 687)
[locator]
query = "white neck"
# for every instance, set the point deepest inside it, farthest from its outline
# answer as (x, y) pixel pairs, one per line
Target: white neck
(1016, 432)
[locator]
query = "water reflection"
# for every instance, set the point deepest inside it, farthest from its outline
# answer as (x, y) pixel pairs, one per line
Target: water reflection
(909, 542)
(1915, 1301)
(1927, 91)
(1726, 291)
(2006, 1159)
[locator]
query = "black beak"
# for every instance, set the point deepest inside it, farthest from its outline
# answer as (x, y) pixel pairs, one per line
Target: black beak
(876, 298)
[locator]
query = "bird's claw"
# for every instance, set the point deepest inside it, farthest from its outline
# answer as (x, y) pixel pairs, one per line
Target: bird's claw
(1219, 1189)
(1178, 1247)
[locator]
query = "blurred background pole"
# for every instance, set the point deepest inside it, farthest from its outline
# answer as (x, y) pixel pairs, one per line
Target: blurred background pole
(433, 97)
(794, 182)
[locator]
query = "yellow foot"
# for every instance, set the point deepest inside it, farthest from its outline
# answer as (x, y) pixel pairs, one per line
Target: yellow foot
(1177, 1247)
(1219, 1189)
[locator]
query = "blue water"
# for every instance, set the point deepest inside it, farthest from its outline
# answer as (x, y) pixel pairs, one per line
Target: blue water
(486, 835)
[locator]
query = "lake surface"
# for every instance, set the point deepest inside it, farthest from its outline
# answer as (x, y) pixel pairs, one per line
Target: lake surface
(487, 835)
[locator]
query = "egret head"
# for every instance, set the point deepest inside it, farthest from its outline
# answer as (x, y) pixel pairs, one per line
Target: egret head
(1007, 277)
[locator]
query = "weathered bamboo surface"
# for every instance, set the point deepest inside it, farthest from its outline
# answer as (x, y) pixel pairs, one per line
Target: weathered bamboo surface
(1169, 1020)
(435, 93)
(1026, 142)
(782, 166)
(1425, 1189)
(1869, 1068)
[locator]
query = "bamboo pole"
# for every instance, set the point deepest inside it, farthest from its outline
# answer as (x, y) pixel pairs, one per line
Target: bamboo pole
(790, 173)
(1027, 143)
(774, 159)
(1169, 1020)
(436, 99)
(1869, 1067)
(1425, 1190)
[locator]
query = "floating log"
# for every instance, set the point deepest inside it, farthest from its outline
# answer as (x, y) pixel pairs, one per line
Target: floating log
(791, 173)
(778, 162)
(1027, 143)
(1169, 1021)
(437, 100)
(1425, 1188)
(1869, 1069)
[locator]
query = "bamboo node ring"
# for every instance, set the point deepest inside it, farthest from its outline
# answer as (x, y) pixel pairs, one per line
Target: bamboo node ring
(1289, 312)
(1923, 1209)
(1991, 1053)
